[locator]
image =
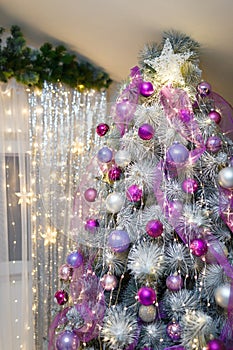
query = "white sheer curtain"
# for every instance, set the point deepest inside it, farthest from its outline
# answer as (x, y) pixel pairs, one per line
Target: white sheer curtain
(16, 323)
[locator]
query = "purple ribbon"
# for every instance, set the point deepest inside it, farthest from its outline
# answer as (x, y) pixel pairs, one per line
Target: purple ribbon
(226, 206)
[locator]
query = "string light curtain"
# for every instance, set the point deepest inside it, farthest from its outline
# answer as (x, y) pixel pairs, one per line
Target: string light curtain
(62, 134)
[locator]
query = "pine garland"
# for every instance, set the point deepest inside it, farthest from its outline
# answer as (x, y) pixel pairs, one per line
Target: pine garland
(32, 67)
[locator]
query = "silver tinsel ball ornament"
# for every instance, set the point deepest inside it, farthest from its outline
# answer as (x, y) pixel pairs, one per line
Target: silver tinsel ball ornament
(147, 313)
(114, 202)
(225, 178)
(222, 295)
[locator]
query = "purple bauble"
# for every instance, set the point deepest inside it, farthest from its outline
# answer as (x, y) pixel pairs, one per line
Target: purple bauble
(65, 272)
(119, 241)
(75, 259)
(61, 297)
(124, 110)
(174, 330)
(215, 344)
(189, 185)
(204, 89)
(146, 88)
(146, 296)
(104, 155)
(215, 116)
(114, 173)
(134, 193)
(102, 129)
(213, 144)
(67, 340)
(90, 194)
(198, 247)
(177, 154)
(146, 131)
(91, 225)
(109, 282)
(154, 228)
(174, 282)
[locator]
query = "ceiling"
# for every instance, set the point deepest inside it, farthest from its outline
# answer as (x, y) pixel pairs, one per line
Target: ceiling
(110, 33)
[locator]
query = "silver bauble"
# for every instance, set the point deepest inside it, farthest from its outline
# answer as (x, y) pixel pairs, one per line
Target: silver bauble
(225, 178)
(114, 202)
(147, 313)
(222, 295)
(122, 158)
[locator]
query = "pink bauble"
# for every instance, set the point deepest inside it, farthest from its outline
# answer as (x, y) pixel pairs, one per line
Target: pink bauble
(189, 185)
(102, 129)
(198, 247)
(204, 89)
(146, 88)
(134, 193)
(215, 344)
(90, 194)
(67, 340)
(146, 296)
(215, 116)
(114, 173)
(65, 272)
(174, 330)
(119, 241)
(154, 228)
(213, 144)
(146, 131)
(174, 282)
(61, 297)
(91, 225)
(109, 282)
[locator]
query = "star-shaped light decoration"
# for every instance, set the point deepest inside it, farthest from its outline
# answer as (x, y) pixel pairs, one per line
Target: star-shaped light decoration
(168, 64)
(24, 197)
(50, 236)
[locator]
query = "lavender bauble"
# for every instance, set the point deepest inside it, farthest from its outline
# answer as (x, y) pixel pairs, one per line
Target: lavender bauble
(215, 344)
(204, 89)
(75, 259)
(134, 193)
(198, 247)
(174, 330)
(146, 296)
(146, 131)
(213, 144)
(67, 340)
(124, 110)
(189, 185)
(154, 228)
(177, 154)
(102, 129)
(215, 116)
(146, 88)
(104, 155)
(119, 241)
(90, 194)
(174, 282)
(61, 297)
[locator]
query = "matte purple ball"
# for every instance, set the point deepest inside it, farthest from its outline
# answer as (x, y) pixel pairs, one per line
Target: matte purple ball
(114, 173)
(154, 228)
(215, 116)
(102, 129)
(134, 193)
(91, 225)
(204, 89)
(198, 247)
(213, 144)
(146, 88)
(67, 340)
(174, 282)
(215, 344)
(75, 259)
(119, 241)
(61, 297)
(177, 154)
(146, 296)
(104, 155)
(146, 131)
(90, 194)
(174, 330)
(189, 185)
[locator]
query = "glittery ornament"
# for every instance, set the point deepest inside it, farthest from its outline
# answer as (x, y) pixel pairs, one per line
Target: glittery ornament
(189, 185)
(134, 193)
(104, 155)
(114, 173)
(177, 154)
(225, 178)
(146, 88)
(174, 330)
(91, 225)
(174, 282)
(215, 344)
(109, 282)
(222, 295)
(90, 194)
(215, 116)
(213, 144)
(119, 241)
(102, 129)
(147, 313)
(67, 340)
(154, 228)
(114, 202)
(204, 89)
(65, 272)
(122, 158)
(146, 131)
(75, 259)
(61, 297)
(146, 296)
(198, 247)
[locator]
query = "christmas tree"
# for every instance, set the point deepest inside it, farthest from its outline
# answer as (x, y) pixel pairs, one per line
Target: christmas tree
(153, 216)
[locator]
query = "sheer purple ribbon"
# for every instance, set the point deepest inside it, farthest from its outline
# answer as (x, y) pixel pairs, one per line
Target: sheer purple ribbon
(124, 109)
(226, 206)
